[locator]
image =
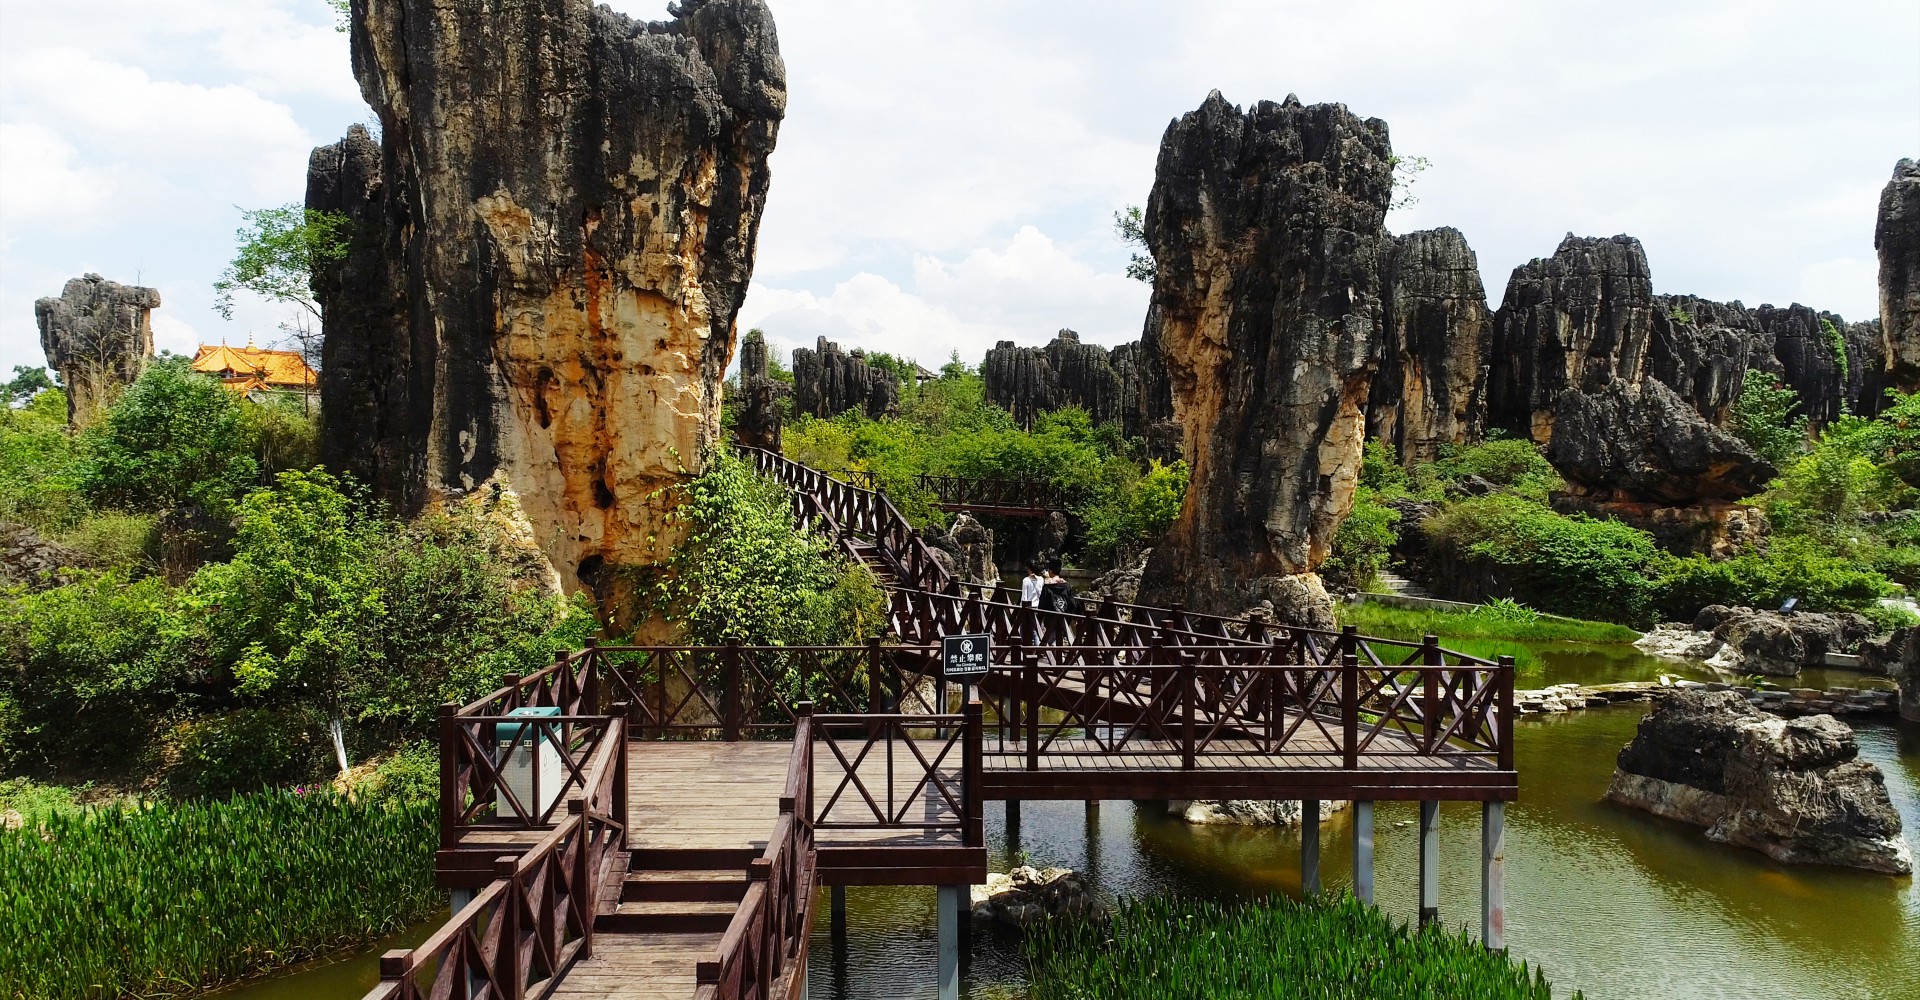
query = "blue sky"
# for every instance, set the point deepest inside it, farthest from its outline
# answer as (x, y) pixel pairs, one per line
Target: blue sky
(947, 172)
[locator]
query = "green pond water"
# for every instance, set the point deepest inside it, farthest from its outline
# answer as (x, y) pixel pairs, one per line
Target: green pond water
(1610, 901)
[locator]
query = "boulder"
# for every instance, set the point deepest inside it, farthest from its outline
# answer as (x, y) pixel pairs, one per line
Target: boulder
(98, 335)
(1027, 897)
(1794, 790)
(1266, 227)
(968, 544)
(1434, 354)
(1643, 441)
(1120, 584)
(548, 246)
(1896, 236)
(1781, 645)
(1897, 656)
(1248, 812)
(28, 560)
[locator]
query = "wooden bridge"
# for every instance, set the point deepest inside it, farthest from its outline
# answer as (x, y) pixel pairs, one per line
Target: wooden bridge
(660, 829)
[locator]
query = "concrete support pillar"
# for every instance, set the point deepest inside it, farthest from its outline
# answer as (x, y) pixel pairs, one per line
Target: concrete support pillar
(1493, 875)
(1363, 850)
(952, 897)
(457, 899)
(1429, 862)
(837, 909)
(1310, 847)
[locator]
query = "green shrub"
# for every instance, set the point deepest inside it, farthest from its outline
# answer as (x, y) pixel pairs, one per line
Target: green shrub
(1511, 463)
(1161, 947)
(1568, 565)
(240, 751)
(409, 774)
(38, 487)
(1796, 567)
(1887, 617)
(129, 542)
(178, 898)
(1455, 627)
(1765, 417)
(175, 437)
(1134, 512)
(36, 803)
(1364, 542)
(1507, 610)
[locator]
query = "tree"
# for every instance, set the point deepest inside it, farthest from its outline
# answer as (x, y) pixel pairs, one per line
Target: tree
(1131, 226)
(27, 383)
(1406, 170)
(1764, 417)
(343, 12)
(175, 437)
(278, 251)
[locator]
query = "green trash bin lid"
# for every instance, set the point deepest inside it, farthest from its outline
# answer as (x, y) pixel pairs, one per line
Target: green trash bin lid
(507, 732)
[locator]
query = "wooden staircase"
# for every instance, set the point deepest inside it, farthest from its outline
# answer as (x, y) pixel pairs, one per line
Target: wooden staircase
(682, 891)
(870, 555)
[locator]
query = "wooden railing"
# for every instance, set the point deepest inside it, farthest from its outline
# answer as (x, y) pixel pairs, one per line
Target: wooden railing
(918, 773)
(1235, 701)
(481, 753)
(847, 513)
(767, 937)
(521, 933)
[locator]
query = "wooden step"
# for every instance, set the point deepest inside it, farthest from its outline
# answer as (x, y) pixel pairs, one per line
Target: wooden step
(691, 858)
(686, 886)
(667, 917)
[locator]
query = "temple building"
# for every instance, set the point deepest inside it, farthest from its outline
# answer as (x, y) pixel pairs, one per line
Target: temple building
(257, 373)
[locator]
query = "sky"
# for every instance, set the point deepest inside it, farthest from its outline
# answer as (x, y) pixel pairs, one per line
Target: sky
(947, 174)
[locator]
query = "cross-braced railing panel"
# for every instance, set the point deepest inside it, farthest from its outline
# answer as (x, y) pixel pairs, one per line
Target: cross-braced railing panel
(892, 772)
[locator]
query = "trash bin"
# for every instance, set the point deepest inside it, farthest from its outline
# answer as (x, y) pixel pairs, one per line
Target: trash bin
(533, 773)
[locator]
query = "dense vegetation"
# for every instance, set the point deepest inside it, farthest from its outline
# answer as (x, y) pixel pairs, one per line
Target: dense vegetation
(1163, 947)
(1844, 528)
(946, 426)
(164, 898)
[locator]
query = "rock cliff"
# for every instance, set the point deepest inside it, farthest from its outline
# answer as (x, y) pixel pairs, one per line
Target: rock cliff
(1266, 229)
(548, 248)
(98, 335)
(1434, 353)
(1794, 790)
(828, 382)
(761, 396)
(1896, 236)
(1029, 381)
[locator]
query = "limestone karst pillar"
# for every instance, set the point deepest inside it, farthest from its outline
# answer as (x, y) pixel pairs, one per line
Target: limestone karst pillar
(98, 335)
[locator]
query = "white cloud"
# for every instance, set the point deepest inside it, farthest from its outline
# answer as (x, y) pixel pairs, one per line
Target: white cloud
(171, 333)
(43, 183)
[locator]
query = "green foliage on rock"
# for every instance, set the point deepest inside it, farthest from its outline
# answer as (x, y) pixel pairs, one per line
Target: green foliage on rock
(1161, 947)
(1569, 565)
(167, 899)
(745, 571)
(1364, 542)
(1766, 416)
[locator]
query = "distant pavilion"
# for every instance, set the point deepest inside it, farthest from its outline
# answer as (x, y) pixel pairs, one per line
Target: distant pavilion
(257, 373)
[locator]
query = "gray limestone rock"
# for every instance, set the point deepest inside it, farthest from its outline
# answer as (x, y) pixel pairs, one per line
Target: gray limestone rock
(1896, 236)
(1434, 355)
(828, 381)
(98, 335)
(1781, 645)
(1643, 442)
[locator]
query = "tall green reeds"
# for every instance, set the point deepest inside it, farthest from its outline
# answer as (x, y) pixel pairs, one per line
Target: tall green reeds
(1173, 949)
(165, 899)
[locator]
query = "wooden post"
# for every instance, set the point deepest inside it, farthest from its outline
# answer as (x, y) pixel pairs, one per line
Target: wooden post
(731, 700)
(1030, 669)
(876, 697)
(1433, 659)
(582, 897)
(1186, 712)
(1505, 725)
(971, 775)
(1363, 850)
(1013, 830)
(620, 710)
(1350, 710)
(1493, 875)
(590, 687)
(1350, 640)
(1310, 847)
(506, 965)
(1010, 720)
(1429, 861)
(451, 800)
(837, 909)
(512, 681)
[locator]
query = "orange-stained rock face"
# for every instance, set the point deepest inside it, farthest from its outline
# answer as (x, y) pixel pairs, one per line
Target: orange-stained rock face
(1266, 229)
(551, 242)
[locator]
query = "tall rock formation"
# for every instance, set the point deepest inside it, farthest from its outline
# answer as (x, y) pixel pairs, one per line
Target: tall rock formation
(758, 423)
(1266, 227)
(1029, 381)
(547, 254)
(1434, 352)
(98, 335)
(828, 382)
(1579, 336)
(1896, 235)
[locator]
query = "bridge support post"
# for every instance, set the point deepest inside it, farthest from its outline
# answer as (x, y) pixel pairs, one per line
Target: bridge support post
(1310, 847)
(952, 897)
(459, 898)
(1363, 850)
(1429, 862)
(837, 912)
(1013, 828)
(1493, 875)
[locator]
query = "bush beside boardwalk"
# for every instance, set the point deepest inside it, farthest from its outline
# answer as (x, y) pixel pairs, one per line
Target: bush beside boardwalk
(167, 899)
(1162, 948)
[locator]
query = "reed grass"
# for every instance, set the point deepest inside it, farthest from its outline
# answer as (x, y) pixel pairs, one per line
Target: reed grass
(1494, 623)
(1163, 948)
(166, 899)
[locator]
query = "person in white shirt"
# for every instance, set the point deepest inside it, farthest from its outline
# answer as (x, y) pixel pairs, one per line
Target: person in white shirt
(1030, 587)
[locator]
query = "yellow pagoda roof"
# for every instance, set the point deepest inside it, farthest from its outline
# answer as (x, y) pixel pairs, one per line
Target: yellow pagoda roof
(251, 367)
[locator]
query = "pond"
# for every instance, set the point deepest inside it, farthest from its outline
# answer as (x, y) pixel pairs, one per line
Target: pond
(1610, 901)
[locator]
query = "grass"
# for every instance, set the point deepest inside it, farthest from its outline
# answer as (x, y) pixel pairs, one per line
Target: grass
(1506, 621)
(1275, 948)
(166, 899)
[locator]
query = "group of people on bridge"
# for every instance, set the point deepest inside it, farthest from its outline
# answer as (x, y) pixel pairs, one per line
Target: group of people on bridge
(1048, 590)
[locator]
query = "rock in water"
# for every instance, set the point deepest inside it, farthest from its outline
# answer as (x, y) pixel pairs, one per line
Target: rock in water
(1795, 791)
(1026, 897)
(1433, 363)
(1896, 235)
(1898, 657)
(1266, 229)
(1248, 812)
(98, 335)
(548, 249)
